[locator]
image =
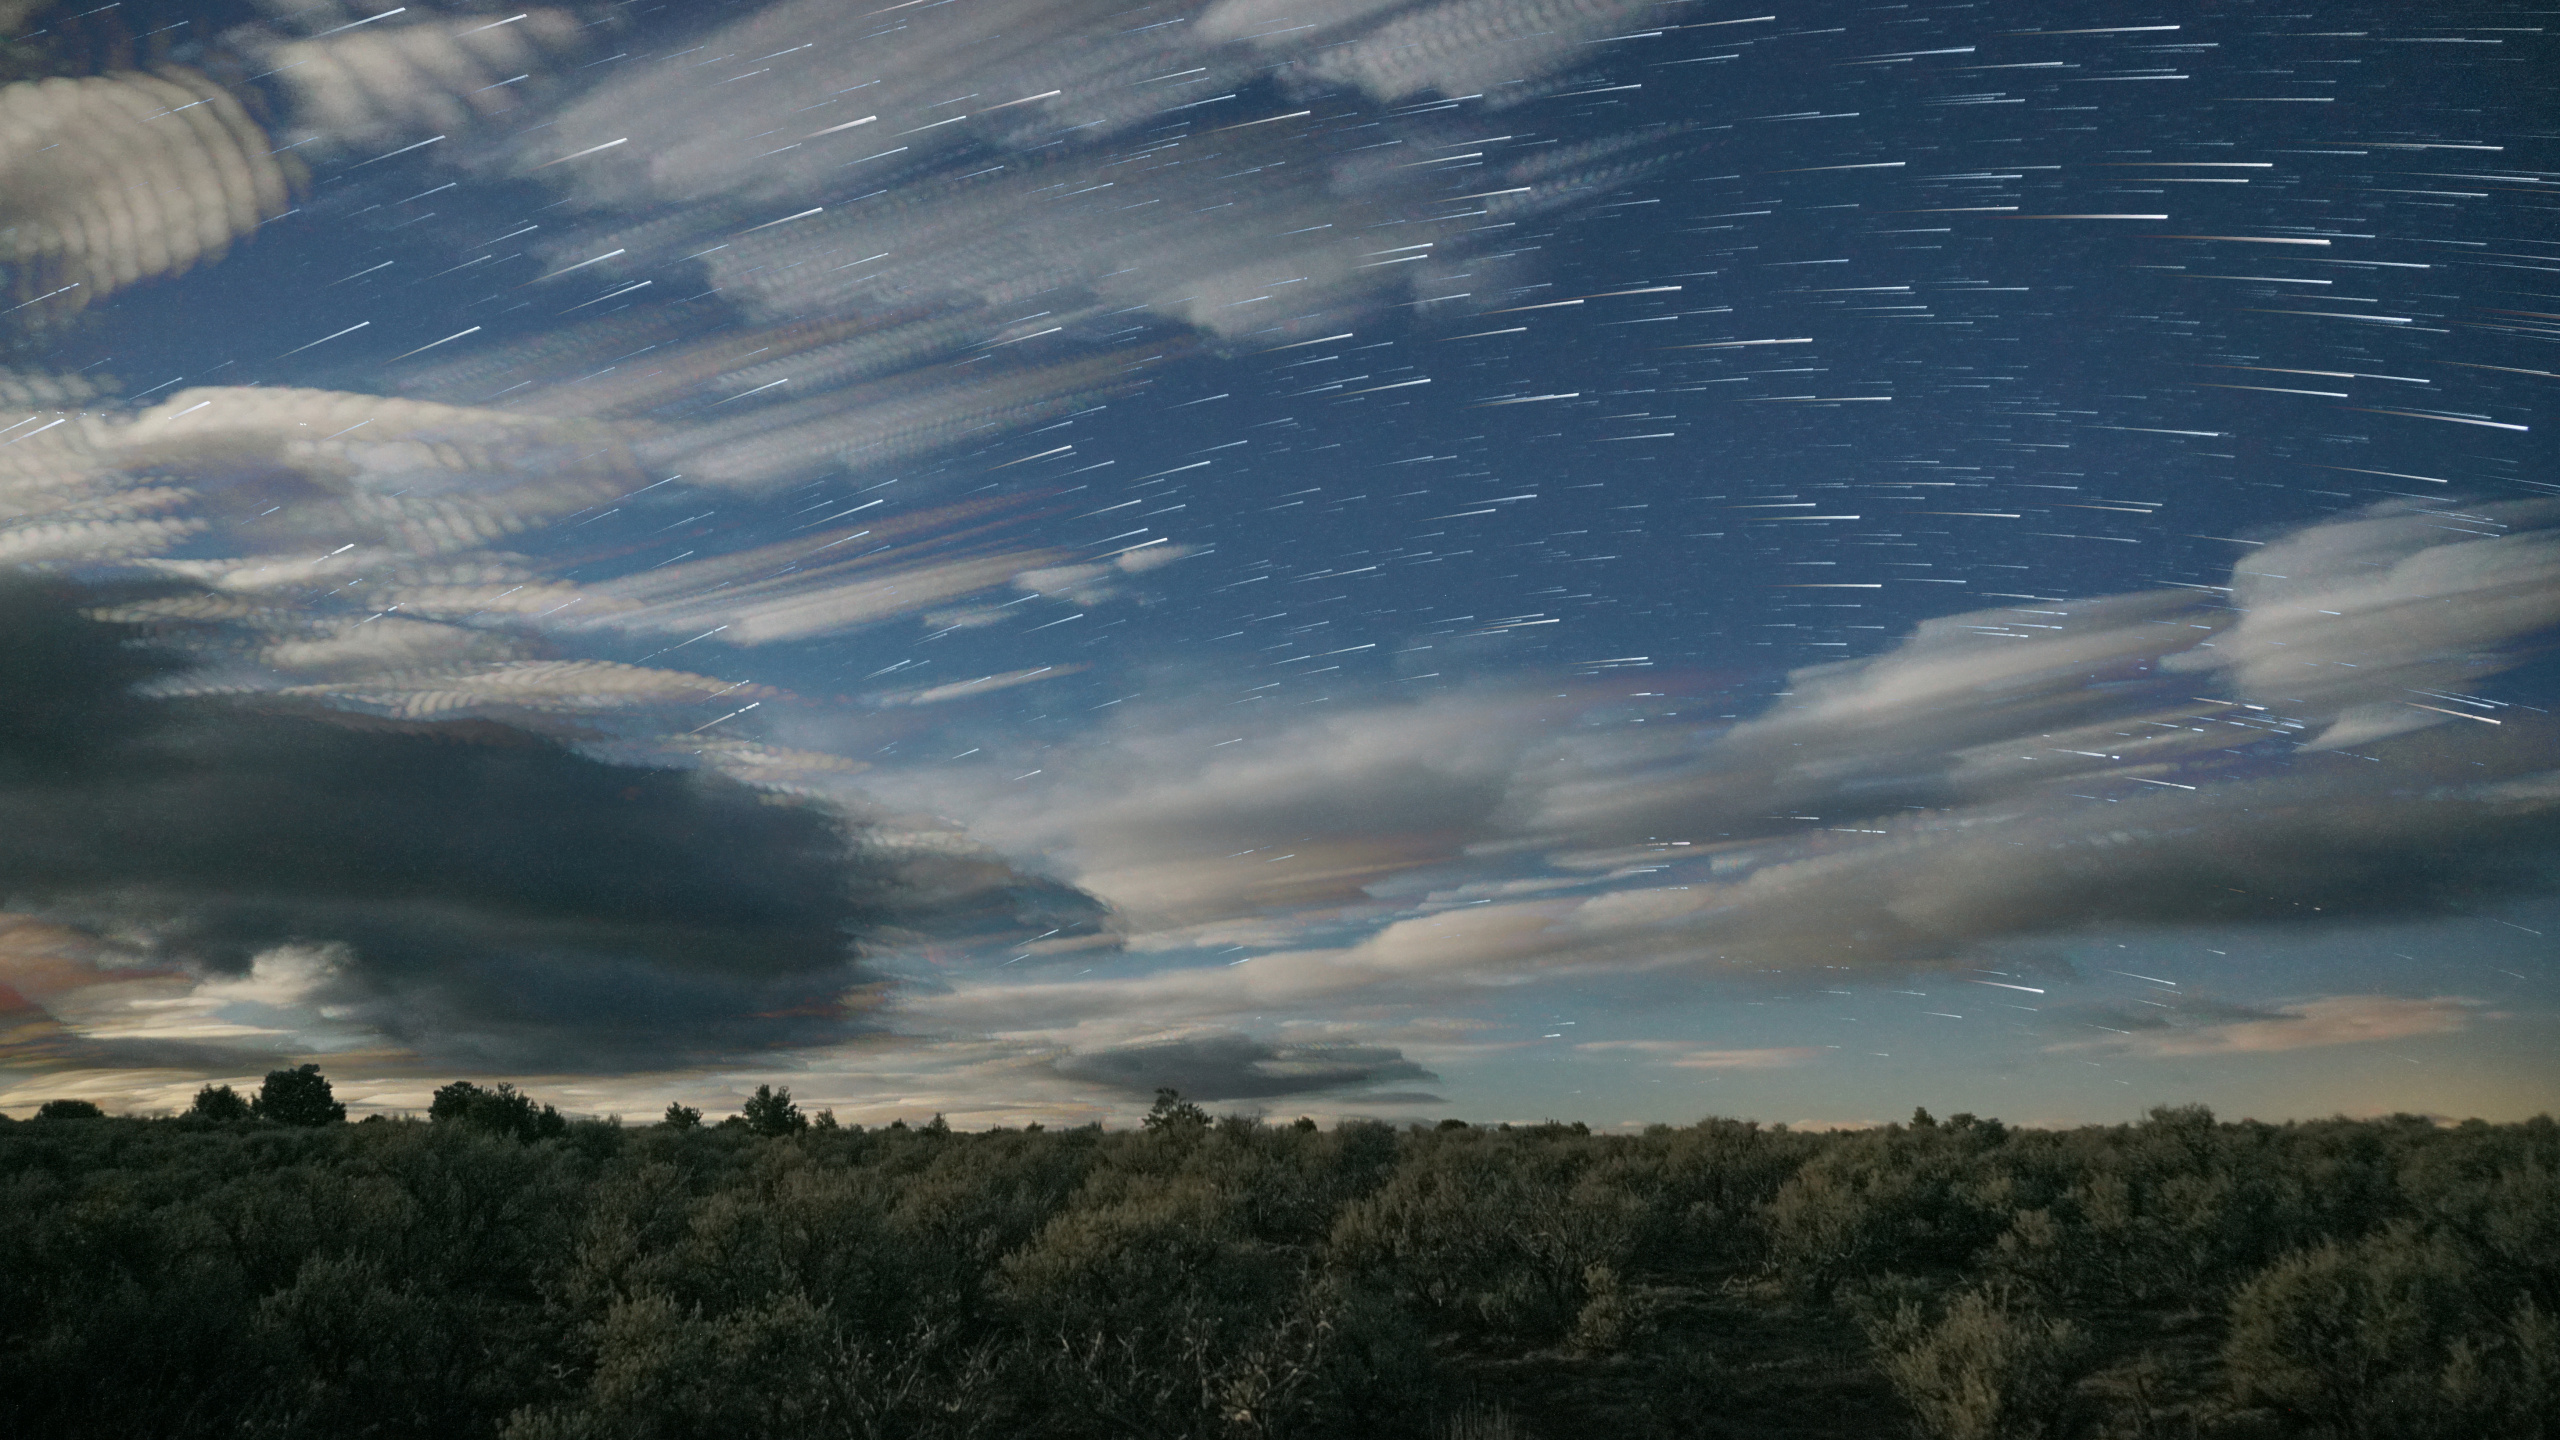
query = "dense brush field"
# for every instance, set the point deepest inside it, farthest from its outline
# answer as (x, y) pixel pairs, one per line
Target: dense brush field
(500, 1272)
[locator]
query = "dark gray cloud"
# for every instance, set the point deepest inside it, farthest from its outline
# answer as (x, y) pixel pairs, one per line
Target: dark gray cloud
(1239, 1067)
(475, 891)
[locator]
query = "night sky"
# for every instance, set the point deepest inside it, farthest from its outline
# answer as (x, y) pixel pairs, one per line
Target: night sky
(1499, 558)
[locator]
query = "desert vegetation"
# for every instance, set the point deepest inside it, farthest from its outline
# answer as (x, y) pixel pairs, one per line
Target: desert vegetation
(260, 1267)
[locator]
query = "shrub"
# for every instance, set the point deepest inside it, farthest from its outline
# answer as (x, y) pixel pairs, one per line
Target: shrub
(1492, 1232)
(2387, 1339)
(1612, 1318)
(1988, 1370)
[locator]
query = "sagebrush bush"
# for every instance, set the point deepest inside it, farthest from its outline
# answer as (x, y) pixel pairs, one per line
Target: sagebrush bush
(2400, 1336)
(1990, 1369)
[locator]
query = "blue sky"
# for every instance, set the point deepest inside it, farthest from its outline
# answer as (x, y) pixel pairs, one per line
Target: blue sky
(1602, 559)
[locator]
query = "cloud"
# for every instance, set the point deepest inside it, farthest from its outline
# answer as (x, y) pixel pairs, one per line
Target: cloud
(469, 890)
(971, 689)
(2363, 623)
(1998, 775)
(1174, 829)
(2363, 618)
(386, 83)
(1473, 47)
(2317, 846)
(268, 490)
(1684, 1056)
(2335, 1020)
(1238, 1067)
(961, 227)
(817, 584)
(117, 178)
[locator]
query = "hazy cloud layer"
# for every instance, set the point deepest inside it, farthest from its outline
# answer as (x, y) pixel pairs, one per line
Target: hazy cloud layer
(2333, 1020)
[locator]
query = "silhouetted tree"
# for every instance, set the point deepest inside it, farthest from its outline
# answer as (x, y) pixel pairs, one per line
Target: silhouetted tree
(297, 1097)
(681, 1116)
(1173, 1113)
(218, 1102)
(770, 1112)
(69, 1110)
(504, 1111)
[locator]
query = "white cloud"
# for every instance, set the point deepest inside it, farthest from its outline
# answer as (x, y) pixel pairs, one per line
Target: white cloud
(2355, 622)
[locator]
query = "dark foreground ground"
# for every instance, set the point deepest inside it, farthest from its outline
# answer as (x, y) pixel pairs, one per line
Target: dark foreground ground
(483, 1275)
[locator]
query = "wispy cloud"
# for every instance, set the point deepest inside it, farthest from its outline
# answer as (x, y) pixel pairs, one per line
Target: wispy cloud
(1692, 1057)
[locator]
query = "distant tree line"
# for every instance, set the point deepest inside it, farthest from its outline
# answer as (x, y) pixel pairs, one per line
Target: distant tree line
(257, 1267)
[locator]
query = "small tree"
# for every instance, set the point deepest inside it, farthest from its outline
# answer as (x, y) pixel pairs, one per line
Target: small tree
(218, 1102)
(69, 1110)
(681, 1116)
(770, 1112)
(297, 1097)
(1172, 1113)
